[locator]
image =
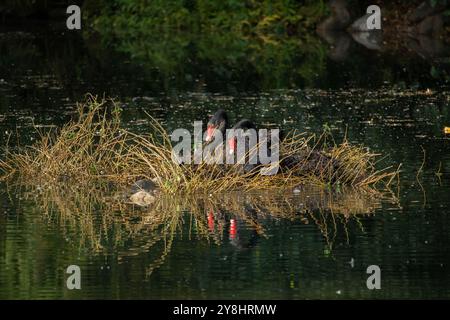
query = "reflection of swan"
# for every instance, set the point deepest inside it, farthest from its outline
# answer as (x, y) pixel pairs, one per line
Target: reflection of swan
(239, 218)
(236, 227)
(237, 237)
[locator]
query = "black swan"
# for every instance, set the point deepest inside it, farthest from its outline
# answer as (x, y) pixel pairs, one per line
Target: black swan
(219, 121)
(306, 162)
(245, 125)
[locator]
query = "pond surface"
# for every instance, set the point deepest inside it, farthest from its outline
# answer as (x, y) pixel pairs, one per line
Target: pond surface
(307, 244)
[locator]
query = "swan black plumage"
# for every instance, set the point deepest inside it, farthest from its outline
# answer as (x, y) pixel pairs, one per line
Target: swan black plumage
(219, 121)
(304, 162)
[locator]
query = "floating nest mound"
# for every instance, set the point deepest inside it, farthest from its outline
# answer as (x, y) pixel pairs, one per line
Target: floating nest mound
(95, 148)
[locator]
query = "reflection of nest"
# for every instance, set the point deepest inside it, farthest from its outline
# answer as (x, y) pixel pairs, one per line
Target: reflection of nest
(103, 221)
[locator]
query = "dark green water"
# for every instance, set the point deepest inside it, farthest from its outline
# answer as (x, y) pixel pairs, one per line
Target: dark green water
(311, 244)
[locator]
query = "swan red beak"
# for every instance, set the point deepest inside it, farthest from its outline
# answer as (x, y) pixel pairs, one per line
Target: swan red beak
(232, 145)
(210, 133)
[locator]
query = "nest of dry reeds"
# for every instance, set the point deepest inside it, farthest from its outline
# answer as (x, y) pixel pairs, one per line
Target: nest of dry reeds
(95, 148)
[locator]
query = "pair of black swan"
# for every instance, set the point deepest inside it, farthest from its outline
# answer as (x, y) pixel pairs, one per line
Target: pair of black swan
(303, 163)
(307, 162)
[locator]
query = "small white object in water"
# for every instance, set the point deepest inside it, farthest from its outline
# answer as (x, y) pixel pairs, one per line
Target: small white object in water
(339, 292)
(352, 262)
(296, 191)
